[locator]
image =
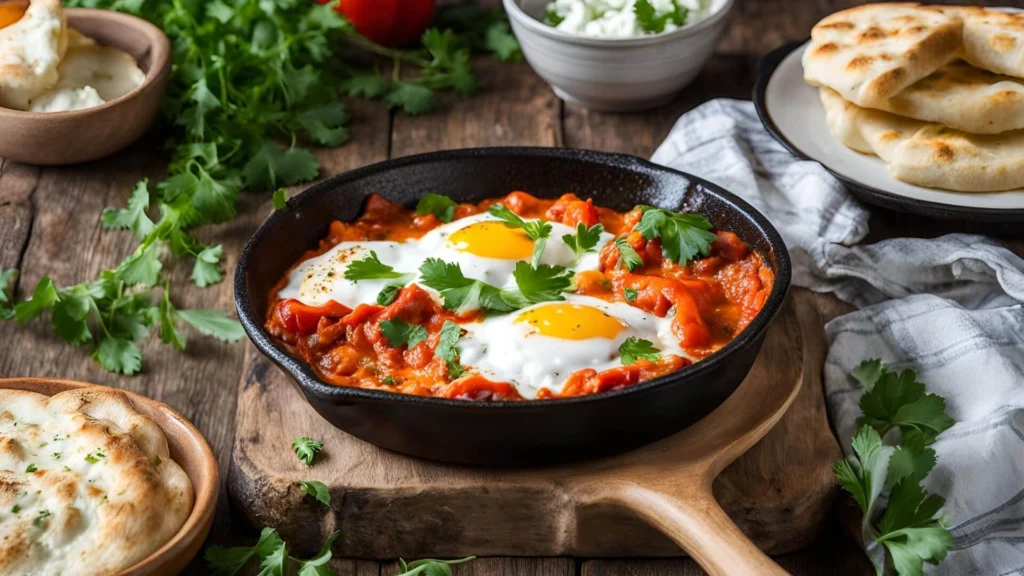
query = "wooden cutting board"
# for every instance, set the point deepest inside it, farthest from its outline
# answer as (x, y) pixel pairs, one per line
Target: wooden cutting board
(387, 505)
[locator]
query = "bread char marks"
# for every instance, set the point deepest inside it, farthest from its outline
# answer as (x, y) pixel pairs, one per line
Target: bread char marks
(870, 53)
(91, 489)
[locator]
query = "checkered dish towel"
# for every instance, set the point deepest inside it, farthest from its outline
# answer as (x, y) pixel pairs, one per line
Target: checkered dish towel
(949, 308)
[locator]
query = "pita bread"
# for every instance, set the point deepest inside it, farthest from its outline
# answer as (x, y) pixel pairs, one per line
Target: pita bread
(86, 482)
(992, 39)
(870, 53)
(961, 96)
(30, 50)
(929, 154)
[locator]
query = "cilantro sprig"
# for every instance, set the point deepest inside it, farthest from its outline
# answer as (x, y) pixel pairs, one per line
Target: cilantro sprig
(252, 81)
(401, 333)
(537, 230)
(306, 449)
(634, 349)
(683, 236)
(911, 529)
(317, 490)
(628, 256)
(542, 283)
(460, 293)
(370, 268)
(447, 349)
(652, 22)
(585, 240)
(442, 207)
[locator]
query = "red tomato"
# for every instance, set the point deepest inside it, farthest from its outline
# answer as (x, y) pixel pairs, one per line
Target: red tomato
(303, 319)
(394, 23)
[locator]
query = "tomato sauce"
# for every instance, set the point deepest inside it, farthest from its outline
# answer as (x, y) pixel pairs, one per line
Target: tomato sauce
(713, 299)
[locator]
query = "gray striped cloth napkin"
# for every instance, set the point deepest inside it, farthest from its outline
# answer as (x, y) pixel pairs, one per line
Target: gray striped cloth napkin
(949, 308)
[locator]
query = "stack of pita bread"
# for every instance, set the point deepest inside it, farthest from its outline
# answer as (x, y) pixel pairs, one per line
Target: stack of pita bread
(937, 92)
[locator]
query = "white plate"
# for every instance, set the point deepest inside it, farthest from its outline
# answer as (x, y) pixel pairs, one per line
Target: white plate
(792, 112)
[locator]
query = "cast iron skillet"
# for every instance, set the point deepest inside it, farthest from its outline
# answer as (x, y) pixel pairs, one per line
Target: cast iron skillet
(510, 433)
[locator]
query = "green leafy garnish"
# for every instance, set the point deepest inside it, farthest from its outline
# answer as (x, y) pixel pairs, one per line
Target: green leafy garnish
(899, 401)
(307, 449)
(31, 468)
(460, 293)
(442, 207)
(630, 294)
(388, 293)
(634, 349)
(627, 255)
(537, 230)
(43, 514)
(317, 490)
(652, 22)
(911, 528)
(6, 299)
(446, 348)
(229, 561)
(483, 29)
(401, 333)
(252, 82)
(428, 567)
(542, 283)
(551, 17)
(95, 457)
(370, 268)
(683, 236)
(585, 240)
(280, 199)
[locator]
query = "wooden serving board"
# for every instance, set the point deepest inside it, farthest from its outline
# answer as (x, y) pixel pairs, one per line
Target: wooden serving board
(387, 505)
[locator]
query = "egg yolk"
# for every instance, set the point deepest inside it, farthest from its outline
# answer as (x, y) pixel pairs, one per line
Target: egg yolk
(571, 322)
(493, 240)
(11, 12)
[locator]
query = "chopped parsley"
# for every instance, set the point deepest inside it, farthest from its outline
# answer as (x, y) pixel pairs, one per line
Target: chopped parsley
(630, 294)
(653, 23)
(628, 256)
(585, 239)
(389, 292)
(634, 349)
(94, 457)
(307, 449)
(683, 236)
(388, 380)
(16, 509)
(442, 207)
(370, 268)
(31, 468)
(537, 230)
(40, 517)
(401, 333)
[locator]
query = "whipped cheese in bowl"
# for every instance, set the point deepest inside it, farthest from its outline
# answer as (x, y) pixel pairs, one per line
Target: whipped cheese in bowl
(46, 66)
(622, 18)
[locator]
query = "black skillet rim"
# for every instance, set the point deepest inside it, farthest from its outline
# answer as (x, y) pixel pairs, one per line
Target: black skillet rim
(311, 383)
(869, 194)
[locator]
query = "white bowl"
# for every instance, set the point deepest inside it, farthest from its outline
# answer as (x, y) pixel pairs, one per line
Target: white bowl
(616, 74)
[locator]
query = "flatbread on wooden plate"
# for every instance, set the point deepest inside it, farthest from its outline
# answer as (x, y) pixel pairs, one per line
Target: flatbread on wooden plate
(929, 154)
(870, 53)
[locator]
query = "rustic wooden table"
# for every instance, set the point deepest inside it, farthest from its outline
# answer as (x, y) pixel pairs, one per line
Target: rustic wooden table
(50, 224)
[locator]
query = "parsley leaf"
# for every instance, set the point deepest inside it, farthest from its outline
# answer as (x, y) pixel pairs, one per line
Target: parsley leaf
(118, 355)
(899, 401)
(366, 85)
(683, 236)
(229, 561)
(370, 268)
(627, 255)
(446, 348)
(442, 207)
(317, 565)
(634, 349)
(652, 22)
(411, 98)
(6, 299)
(585, 240)
(271, 167)
(43, 298)
(401, 333)
(133, 217)
(280, 199)
(911, 528)
(317, 490)
(389, 292)
(307, 449)
(325, 123)
(212, 323)
(537, 230)
(460, 293)
(500, 40)
(542, 283)
(429, 567)
(630, 294)
(206, 270)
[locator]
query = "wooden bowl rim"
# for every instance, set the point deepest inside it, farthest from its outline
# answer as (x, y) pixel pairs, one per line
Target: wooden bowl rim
(160, 49)
(206, 489)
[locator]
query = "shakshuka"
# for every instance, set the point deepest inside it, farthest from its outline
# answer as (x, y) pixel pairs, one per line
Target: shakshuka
(515, 298)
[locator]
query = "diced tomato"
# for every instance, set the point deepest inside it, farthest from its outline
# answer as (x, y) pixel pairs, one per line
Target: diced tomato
(729, 246)
(476, 387)
(570, 210)
(520, 202)
(302, 319)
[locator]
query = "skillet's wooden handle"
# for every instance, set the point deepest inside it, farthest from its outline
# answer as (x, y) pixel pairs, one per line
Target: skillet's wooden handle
(701, 528)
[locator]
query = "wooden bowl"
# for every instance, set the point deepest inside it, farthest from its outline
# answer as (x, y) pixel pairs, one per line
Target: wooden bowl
(188, 449)
(56, 138)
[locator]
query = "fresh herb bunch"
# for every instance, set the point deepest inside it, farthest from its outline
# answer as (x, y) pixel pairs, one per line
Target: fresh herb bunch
(246, 75)
(272, 554)
(911, 530)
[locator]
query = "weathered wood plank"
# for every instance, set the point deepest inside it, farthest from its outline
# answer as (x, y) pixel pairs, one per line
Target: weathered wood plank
(17, 183)
(514, 107)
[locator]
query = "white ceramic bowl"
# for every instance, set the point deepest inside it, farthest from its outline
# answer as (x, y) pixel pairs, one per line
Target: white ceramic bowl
(616, 74)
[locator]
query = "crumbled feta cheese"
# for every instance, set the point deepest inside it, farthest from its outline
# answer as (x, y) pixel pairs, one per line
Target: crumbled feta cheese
(617, 18)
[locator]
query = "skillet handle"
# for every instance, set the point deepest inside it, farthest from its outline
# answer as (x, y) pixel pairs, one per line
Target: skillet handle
(701, 528)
